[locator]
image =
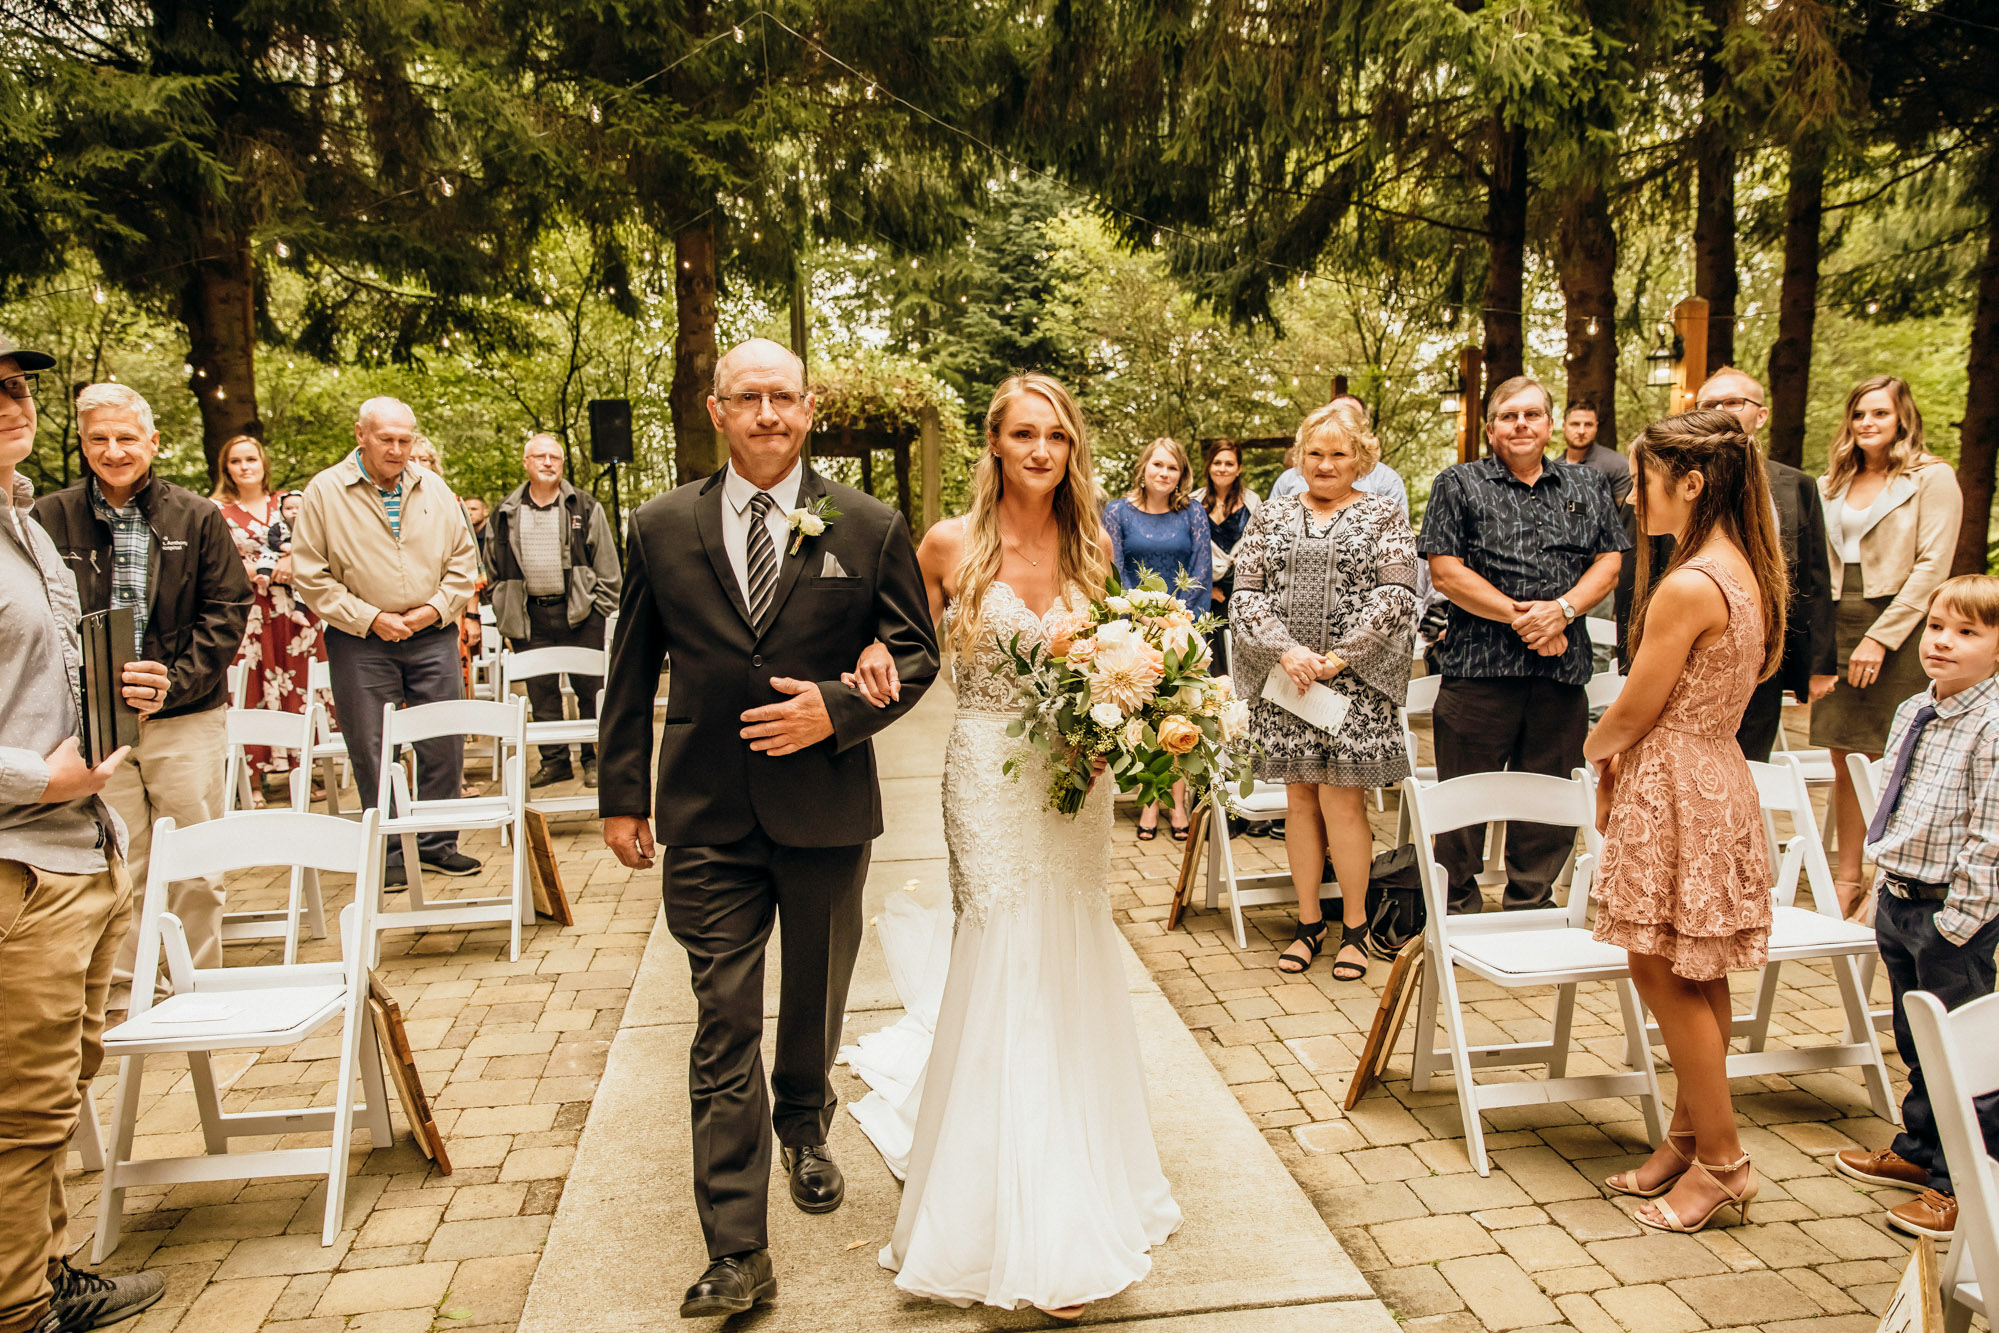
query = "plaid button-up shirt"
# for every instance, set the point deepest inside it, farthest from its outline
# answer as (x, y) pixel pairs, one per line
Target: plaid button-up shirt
(1530, 542)
(131, 560)
(1945, 829)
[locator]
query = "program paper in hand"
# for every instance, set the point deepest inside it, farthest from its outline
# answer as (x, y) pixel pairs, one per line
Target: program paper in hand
(1324, 708)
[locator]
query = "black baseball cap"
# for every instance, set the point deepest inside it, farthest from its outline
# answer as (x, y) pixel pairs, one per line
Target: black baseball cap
(29, 362)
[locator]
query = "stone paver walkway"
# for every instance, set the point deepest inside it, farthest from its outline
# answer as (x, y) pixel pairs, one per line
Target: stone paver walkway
(511, 1054)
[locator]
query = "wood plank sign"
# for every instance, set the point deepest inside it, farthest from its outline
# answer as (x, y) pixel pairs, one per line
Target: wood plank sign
(401, 1061)
(1917, 1306)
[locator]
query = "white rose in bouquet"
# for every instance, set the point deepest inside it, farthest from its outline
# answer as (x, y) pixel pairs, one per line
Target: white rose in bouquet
(1106, 714)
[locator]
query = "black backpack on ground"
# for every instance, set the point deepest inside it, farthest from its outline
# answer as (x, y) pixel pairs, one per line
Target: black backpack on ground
(1395, 912)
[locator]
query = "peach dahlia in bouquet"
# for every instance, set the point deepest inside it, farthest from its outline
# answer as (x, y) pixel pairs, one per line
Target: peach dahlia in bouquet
(1125, 680)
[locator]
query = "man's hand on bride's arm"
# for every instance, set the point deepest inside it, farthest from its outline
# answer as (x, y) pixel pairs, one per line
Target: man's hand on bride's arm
(875, 676)
(788, 727)
(630, 839)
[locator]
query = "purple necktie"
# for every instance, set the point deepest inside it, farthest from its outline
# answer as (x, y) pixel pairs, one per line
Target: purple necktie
(1891, 795)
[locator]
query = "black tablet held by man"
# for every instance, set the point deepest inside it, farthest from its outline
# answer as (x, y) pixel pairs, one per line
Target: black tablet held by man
(108, 721)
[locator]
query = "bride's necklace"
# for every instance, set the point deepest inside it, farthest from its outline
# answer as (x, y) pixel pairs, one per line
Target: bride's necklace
(1021, 551)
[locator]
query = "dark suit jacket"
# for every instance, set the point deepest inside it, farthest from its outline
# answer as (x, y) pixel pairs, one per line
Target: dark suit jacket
(1809, 648)
(682, 603)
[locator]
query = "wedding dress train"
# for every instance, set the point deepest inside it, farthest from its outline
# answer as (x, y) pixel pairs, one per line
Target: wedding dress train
(1011, 1098)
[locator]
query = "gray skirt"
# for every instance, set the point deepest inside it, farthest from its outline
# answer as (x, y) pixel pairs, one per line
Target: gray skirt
(1858, 719)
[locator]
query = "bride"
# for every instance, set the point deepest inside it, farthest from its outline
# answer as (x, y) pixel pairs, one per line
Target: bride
(1014, 1105)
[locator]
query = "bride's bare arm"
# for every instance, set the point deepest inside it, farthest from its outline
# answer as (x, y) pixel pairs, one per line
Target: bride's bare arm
(874, 675)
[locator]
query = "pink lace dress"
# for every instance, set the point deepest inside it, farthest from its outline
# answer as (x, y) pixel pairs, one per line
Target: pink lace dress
(1686, 873)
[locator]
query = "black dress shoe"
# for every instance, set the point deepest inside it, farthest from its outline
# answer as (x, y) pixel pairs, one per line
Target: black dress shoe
(816, 1183)
(731, 1285)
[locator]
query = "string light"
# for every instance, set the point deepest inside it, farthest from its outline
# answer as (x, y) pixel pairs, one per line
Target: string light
(97, 295)
(284, 251)
(1591, 330)
(444, 186)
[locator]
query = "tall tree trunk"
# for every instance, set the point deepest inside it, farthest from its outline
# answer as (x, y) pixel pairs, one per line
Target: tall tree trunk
(1588, 272)
(218, 308)
(1506, 261)
(1797, 301)
(698, 450)
(1978, 437)
(1714, 197)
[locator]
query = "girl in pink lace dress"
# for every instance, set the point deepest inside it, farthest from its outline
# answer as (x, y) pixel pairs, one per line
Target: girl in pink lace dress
(1684, 883)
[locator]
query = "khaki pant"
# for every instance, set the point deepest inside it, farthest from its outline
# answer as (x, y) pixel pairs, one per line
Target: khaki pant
(175, 771)
(58, 935)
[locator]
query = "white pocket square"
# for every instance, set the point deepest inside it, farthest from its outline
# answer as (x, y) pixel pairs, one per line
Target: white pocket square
(833, 569)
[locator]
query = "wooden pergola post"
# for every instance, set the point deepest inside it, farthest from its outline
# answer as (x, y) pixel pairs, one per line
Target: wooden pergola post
(933, 469)
(1471, 403)
(1690, 319)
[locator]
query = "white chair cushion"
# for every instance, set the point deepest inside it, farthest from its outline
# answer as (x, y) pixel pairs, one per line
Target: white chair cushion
(237, 1016)
(1803, 932)
(1519, 957)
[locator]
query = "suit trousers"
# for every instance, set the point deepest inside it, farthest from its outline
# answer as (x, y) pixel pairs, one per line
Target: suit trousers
(174, 771)
(1915, 957)
(1760, 721)
(58, 937)
(721, 903)
(422, 669)
(1529, 724)
(549, 627)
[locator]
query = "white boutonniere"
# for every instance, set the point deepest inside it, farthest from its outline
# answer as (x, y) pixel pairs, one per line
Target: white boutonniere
(810, 521)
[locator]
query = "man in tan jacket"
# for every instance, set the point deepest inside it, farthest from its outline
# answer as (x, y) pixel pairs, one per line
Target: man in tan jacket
(383, 556)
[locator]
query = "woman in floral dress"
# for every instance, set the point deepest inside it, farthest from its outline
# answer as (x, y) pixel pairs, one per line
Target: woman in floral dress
(282, 638)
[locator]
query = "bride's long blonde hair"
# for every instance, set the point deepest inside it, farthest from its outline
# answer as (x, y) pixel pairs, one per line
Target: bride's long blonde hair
(1079, 527)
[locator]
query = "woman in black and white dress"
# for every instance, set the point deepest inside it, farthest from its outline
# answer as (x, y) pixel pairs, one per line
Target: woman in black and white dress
(1326, 591)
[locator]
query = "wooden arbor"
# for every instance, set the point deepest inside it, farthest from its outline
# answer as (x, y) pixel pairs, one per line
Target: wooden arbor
(925, 442)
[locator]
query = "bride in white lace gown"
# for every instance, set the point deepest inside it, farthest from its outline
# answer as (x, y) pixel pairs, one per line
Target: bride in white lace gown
(1011, 1098)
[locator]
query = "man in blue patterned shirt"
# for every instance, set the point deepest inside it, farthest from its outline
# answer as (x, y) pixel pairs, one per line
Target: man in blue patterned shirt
(1935, 839)
(1519, 544)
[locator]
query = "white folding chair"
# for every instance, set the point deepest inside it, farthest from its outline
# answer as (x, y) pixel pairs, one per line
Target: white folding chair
(1815, 765)
(1959, 1051)
(1603, 689)
(1868, 775)
(1421, 701)
(516, 667)
(238, 677)
(404, 817)
(1807, 934)
(1603, 633)
(1549, 946)
(297, 732)
(329, 747)
(236, 1008)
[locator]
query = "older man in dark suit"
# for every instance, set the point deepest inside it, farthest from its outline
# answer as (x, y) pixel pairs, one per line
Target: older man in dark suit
(762, 584)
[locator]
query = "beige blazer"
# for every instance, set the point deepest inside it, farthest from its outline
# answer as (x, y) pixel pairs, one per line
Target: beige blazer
(1907, 550)
(348, 565)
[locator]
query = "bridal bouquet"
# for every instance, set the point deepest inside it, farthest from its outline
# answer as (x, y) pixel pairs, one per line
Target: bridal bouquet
(1126, 680)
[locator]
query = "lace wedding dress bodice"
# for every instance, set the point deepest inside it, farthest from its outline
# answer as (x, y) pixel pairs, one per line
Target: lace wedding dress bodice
(1003, 838)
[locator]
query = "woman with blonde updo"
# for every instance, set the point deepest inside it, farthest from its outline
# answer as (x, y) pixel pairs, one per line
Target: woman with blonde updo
(1326, 592)
(1020, 1123)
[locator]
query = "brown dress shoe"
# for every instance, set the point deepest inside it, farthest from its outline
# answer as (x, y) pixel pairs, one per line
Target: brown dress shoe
(1928, 1214)
(1881, 1168)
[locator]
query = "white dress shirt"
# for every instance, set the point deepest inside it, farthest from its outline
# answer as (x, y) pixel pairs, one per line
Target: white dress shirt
(736, 497)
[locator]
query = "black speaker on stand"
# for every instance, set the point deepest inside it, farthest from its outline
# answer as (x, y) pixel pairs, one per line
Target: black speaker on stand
(611, 444)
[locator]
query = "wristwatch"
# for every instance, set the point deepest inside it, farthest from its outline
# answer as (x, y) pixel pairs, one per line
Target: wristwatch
(1567, 610)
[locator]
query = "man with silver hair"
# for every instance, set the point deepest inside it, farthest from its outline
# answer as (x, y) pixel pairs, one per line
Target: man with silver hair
(384, 556)
(133, 539)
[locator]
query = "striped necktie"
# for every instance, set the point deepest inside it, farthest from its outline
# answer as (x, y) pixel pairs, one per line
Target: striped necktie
(762, 562)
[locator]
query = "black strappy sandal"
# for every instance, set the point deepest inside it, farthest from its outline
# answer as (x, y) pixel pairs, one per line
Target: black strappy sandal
(1148, 834)
(1179, 831)
(1313, 937)
(1354, 937)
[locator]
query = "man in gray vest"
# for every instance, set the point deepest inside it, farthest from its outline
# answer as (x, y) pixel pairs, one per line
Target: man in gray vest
(554, 578)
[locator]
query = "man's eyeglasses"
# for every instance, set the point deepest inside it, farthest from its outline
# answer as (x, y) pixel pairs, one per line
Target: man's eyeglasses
(18, 386)
(1533, 416)
(783, 400)
(1727, 404)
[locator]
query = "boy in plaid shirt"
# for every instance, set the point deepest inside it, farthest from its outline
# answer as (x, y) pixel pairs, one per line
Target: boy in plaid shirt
(1935, 840)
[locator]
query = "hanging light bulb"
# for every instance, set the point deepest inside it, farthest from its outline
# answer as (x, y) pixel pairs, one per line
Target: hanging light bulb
(1873, 307)
(220, 394)
(1157, 237)
(596, 114)
(1591, 330)
(1013, 173)
(284, 251)
(444, 186)
(739, 32)
(98, 295)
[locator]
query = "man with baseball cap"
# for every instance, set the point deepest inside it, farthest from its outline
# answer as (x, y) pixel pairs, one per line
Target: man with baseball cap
(64, 897)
